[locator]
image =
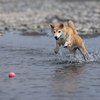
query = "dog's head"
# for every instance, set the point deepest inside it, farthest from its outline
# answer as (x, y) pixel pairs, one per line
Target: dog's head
(58, 30)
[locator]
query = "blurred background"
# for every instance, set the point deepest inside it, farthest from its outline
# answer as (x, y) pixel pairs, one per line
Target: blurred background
(35, 15)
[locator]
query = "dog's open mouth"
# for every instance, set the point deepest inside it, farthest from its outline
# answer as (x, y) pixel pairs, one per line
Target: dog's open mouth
(57, 37)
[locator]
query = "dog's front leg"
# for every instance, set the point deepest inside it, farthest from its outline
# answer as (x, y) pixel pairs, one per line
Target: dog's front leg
(57, 48)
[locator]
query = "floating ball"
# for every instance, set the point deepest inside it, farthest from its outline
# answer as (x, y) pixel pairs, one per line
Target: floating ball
(12, 75)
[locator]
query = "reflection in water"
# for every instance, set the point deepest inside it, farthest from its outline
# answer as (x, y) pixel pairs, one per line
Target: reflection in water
(66, 79)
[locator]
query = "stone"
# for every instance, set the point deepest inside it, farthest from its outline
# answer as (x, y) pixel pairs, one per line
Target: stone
(27, 15)
(22, 28)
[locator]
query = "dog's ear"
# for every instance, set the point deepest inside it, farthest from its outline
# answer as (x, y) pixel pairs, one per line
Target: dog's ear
(61, 25)
(51, 25)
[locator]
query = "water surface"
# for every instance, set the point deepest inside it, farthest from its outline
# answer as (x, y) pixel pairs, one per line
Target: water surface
(43, 75)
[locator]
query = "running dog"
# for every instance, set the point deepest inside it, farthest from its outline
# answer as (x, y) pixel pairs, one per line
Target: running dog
(67, 36)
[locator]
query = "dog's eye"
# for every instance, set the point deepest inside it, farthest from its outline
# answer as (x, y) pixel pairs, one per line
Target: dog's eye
(54, 32)
(59, 31)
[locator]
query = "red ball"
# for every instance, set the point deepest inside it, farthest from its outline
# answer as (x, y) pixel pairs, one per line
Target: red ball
(12, 74)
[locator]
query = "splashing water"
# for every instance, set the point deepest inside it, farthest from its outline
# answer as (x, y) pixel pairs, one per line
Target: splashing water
(70, 59)
(94, 56)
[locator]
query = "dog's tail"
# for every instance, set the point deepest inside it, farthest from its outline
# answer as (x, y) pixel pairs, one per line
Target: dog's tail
(71, 24)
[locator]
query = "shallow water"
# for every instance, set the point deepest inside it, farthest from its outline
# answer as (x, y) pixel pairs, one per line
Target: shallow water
(43, 75)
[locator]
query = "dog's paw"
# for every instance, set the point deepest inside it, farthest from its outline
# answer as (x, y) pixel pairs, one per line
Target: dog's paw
(69, 45)
(65, 45)
(56, 51)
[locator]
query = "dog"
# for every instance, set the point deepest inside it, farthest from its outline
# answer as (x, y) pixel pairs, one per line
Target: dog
(67, 36)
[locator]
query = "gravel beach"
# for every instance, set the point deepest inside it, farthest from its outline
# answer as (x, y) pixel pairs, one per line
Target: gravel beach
(35, 15)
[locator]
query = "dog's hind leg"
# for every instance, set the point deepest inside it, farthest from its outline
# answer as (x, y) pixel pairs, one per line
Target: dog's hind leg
(83, 52)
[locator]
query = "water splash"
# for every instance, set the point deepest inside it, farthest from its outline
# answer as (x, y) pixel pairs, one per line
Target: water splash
(93, 56)
(69, 59)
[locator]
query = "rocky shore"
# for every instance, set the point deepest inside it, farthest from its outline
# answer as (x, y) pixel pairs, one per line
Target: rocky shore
(35, 15)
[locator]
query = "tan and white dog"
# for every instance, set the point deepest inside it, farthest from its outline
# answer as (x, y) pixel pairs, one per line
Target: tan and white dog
(67, 36)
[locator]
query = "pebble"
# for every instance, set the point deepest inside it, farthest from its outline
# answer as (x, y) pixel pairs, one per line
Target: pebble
(1, 34)
(22, 28)
(27, 15)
